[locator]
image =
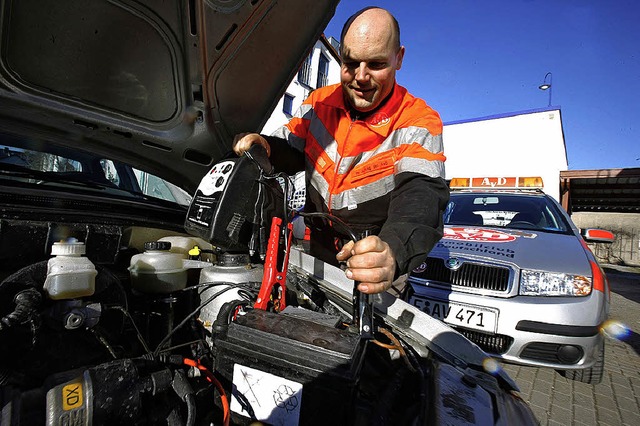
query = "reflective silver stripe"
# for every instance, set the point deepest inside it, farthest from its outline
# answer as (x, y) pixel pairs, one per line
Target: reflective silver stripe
(419, 165)
(434, 143)
(408, 135)
(347, 163)
(353, 197)
(324, 138)
(318, 182)
(305, 112)
(316, 128)
(397, 138)
(293, 140)
(361, 194)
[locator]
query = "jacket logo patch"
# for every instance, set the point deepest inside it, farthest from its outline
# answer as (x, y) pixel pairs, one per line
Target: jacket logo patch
(378, 119)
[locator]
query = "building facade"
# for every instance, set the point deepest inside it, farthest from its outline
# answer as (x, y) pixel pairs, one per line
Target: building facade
(321, 68)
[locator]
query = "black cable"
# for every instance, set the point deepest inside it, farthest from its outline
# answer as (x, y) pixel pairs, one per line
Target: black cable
(195, 311)
(421, 373)
(205, 284)
(126, 313)
(336, 220)
(285, 208)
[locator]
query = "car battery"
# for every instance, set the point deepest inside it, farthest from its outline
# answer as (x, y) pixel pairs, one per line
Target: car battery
(294, 367)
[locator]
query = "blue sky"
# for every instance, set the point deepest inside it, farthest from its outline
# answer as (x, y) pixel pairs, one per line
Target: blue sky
(471, 59)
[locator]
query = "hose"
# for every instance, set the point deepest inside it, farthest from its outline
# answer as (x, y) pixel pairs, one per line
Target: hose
(27, 303)
(211, 378)
(184, 391)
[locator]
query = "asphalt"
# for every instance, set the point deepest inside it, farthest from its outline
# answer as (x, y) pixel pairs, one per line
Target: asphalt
(557, 401)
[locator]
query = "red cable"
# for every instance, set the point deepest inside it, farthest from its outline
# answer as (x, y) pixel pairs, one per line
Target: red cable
(211, 378)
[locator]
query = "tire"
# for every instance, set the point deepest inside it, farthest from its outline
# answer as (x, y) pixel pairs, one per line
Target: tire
(592, 375)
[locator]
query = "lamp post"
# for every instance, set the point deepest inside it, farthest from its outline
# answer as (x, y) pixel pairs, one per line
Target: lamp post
(545, 85)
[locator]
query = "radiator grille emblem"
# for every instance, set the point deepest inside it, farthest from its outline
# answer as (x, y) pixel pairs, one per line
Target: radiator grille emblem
(453, 263)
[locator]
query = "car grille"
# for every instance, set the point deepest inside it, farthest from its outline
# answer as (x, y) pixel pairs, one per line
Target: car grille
(490, 343)
(470, 275)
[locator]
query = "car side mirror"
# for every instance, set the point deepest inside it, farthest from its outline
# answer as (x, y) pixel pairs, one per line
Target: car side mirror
(593, 235)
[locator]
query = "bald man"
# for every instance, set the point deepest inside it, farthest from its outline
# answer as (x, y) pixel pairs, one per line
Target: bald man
(372, 155)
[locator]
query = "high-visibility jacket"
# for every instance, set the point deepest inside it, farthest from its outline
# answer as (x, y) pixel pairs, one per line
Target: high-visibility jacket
(382, 172)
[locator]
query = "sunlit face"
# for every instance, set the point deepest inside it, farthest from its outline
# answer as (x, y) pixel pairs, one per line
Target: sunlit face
(370, 59)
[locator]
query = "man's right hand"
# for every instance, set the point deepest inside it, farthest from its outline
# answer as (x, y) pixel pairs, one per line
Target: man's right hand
(243, 141)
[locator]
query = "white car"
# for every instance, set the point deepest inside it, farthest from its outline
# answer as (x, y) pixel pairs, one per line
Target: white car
(514, 275)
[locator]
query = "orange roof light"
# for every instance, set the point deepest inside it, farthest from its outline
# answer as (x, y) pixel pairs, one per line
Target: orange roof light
(502, 182)
(530, 182)
(459, 183)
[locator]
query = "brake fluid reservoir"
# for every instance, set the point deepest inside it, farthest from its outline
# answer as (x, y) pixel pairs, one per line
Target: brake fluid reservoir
(70, 275)
(158, 270)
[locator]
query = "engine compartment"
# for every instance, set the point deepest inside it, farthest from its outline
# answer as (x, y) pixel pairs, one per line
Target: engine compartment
(121, 356)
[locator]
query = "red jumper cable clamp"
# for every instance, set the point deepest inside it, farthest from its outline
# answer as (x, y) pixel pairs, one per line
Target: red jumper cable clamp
(274, 280)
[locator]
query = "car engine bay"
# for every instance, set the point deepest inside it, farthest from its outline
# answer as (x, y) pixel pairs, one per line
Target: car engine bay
(113, 318)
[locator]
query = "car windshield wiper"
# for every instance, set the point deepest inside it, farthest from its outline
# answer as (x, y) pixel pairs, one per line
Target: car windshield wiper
(72, 178)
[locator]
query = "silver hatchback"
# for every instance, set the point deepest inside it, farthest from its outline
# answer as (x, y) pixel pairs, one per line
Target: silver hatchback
(515, 275)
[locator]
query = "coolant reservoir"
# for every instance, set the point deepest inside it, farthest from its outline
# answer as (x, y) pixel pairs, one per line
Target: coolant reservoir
(158, 270)
(70, 275)
(183, 245)
(230, 269)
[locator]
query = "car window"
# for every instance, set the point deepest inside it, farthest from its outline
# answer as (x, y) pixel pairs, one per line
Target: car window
(64, 167)
(110, 171)
(504, 210)
(154, 186)
(38, 161)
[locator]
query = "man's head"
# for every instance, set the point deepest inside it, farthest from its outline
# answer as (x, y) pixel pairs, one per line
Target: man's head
(371, 54)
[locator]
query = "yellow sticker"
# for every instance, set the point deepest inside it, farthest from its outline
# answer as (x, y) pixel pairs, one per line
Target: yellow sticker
(72, 396)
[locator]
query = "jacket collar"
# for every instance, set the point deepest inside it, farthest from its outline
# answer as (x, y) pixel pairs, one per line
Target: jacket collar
(381, 120)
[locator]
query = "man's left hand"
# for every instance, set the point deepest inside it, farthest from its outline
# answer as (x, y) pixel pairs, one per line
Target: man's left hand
(371, 262)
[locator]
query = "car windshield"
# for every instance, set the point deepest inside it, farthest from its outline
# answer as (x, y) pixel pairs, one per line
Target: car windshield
(49, 167)
(505, 210)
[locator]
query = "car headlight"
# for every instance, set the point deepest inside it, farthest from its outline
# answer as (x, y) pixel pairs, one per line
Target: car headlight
(538, 283)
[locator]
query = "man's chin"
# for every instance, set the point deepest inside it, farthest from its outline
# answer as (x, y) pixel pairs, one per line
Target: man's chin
(362, 105)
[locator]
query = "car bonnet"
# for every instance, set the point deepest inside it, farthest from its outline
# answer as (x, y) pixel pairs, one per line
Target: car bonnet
(163, 86)
(535, 250)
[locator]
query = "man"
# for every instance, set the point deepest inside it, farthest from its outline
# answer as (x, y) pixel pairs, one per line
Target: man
(373, 157)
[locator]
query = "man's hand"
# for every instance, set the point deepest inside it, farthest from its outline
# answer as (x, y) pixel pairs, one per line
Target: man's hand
(243, 141)
(370, 262)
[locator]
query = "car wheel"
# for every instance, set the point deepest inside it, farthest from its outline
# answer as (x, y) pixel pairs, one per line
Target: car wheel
(591, 375)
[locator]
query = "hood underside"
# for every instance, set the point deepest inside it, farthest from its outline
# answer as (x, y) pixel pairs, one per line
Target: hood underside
(162, 86)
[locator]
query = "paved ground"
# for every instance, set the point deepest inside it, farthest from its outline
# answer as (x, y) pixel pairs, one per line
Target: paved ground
(616, 401)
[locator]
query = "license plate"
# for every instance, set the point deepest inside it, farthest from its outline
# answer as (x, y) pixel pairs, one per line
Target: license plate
(459, 314)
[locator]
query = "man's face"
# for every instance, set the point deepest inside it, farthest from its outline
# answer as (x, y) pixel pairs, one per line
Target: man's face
(369, 65)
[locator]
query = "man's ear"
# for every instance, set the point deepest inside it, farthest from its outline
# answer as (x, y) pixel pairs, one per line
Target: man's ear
(399, 57)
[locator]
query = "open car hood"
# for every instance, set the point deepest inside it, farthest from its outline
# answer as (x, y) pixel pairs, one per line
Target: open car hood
(162, 86)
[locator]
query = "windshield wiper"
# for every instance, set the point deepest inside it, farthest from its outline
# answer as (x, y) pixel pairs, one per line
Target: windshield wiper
(83, 179)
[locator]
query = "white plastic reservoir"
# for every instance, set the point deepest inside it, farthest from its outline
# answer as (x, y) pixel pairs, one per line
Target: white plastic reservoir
(158, 270)
(70, 274)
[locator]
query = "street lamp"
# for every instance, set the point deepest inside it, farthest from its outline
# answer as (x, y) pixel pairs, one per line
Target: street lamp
(545, 85)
